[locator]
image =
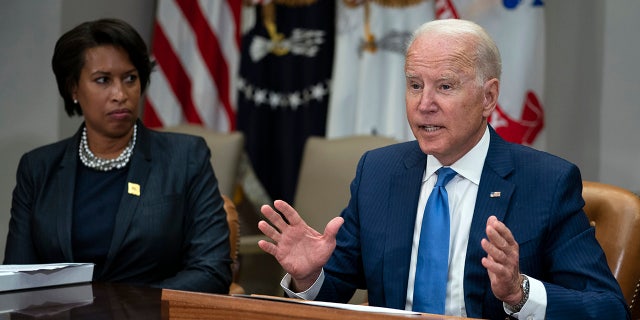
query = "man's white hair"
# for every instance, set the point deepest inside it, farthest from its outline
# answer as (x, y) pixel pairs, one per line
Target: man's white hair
(488, 63)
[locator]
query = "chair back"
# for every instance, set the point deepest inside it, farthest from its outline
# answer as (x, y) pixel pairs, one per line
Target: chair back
(226, 150)
(326, 171)
(234, 241)
(615, 214)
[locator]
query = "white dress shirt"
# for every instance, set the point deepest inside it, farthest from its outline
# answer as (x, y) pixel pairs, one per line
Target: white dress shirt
(462, 191)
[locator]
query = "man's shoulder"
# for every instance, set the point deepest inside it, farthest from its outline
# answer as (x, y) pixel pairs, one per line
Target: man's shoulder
(396, 149)
(500, 148)
(530, 154)
(398, 155)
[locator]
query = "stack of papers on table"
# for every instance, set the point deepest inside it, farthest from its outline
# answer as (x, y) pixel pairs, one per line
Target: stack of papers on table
(46, 302)
(25, 276)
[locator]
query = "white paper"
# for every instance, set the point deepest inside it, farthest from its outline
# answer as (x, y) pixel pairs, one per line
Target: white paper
(16, 277)
(54, 299)
(358, 307)
(344, 306)
(37, 267)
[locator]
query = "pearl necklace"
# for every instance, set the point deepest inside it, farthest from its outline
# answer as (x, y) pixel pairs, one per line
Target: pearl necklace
(92, 161)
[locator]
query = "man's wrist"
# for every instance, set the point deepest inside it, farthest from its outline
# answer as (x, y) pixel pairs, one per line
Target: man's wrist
(309, 294)
(524, 286)
(300, 285)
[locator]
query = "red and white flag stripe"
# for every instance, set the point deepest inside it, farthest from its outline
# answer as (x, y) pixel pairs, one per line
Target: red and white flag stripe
(196, 46)
(445, 9)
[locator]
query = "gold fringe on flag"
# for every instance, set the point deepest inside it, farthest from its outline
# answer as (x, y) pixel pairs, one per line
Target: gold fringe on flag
(384, 3)
(369, 38)
(295, 3)
(269, 21)
(397, 3)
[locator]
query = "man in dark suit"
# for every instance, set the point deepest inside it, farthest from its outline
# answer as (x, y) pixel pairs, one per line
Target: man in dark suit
(519, 243)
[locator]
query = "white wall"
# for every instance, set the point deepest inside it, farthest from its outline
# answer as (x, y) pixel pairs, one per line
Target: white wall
(620, 101)
(573, 81)
(593, 87)
(28, 96)
(591, 103)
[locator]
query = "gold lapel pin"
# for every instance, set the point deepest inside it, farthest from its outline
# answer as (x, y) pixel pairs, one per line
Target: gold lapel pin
(495, 194)
(134, 189)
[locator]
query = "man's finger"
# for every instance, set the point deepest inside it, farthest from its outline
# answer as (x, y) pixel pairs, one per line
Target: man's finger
(274, 217)
(269, 231)
(333, 226)
(501, 229)
(288, 212)
(268, 247)
(493, 252)
(496, 238)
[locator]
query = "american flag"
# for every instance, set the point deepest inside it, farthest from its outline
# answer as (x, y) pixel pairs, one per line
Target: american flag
(196, 46)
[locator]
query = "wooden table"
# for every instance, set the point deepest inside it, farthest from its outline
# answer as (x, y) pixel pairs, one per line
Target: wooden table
(121, 301)
(182, 305)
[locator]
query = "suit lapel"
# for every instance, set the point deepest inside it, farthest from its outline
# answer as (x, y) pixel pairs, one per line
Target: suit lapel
(404, 193)
(66, 181)
(494, 195)
(140, 166)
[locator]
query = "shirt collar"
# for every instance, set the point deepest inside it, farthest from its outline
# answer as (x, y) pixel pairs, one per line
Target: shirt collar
(469, 166)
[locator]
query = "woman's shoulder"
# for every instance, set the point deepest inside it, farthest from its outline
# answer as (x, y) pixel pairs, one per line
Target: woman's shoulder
(50, 150)
(49, 156)
(175, 139)
(175, 145)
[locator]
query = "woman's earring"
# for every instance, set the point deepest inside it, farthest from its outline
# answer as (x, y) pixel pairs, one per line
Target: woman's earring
(75, 101)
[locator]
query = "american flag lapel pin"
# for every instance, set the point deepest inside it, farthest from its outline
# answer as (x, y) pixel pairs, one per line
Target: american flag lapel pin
(494, 194)
(134, 189)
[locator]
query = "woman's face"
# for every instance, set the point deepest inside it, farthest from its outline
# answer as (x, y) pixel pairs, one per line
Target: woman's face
(108, 91)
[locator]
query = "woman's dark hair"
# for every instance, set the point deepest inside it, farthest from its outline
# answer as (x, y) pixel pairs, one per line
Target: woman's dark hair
(69, 54)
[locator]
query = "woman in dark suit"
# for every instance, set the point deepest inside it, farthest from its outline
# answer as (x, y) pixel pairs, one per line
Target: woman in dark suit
(144, 206)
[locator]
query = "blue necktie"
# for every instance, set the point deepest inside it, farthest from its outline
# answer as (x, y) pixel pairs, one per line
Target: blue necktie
(430, 287)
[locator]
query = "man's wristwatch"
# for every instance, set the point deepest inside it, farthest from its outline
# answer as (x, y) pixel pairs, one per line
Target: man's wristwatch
(524, 285)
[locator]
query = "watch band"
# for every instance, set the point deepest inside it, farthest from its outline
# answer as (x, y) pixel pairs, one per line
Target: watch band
(524, 285)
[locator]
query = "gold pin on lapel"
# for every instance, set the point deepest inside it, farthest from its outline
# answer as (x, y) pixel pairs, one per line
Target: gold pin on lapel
(495, 194)
(134, 189)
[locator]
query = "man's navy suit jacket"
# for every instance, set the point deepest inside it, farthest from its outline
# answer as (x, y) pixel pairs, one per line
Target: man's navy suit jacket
(540, 201)
(174, 234)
